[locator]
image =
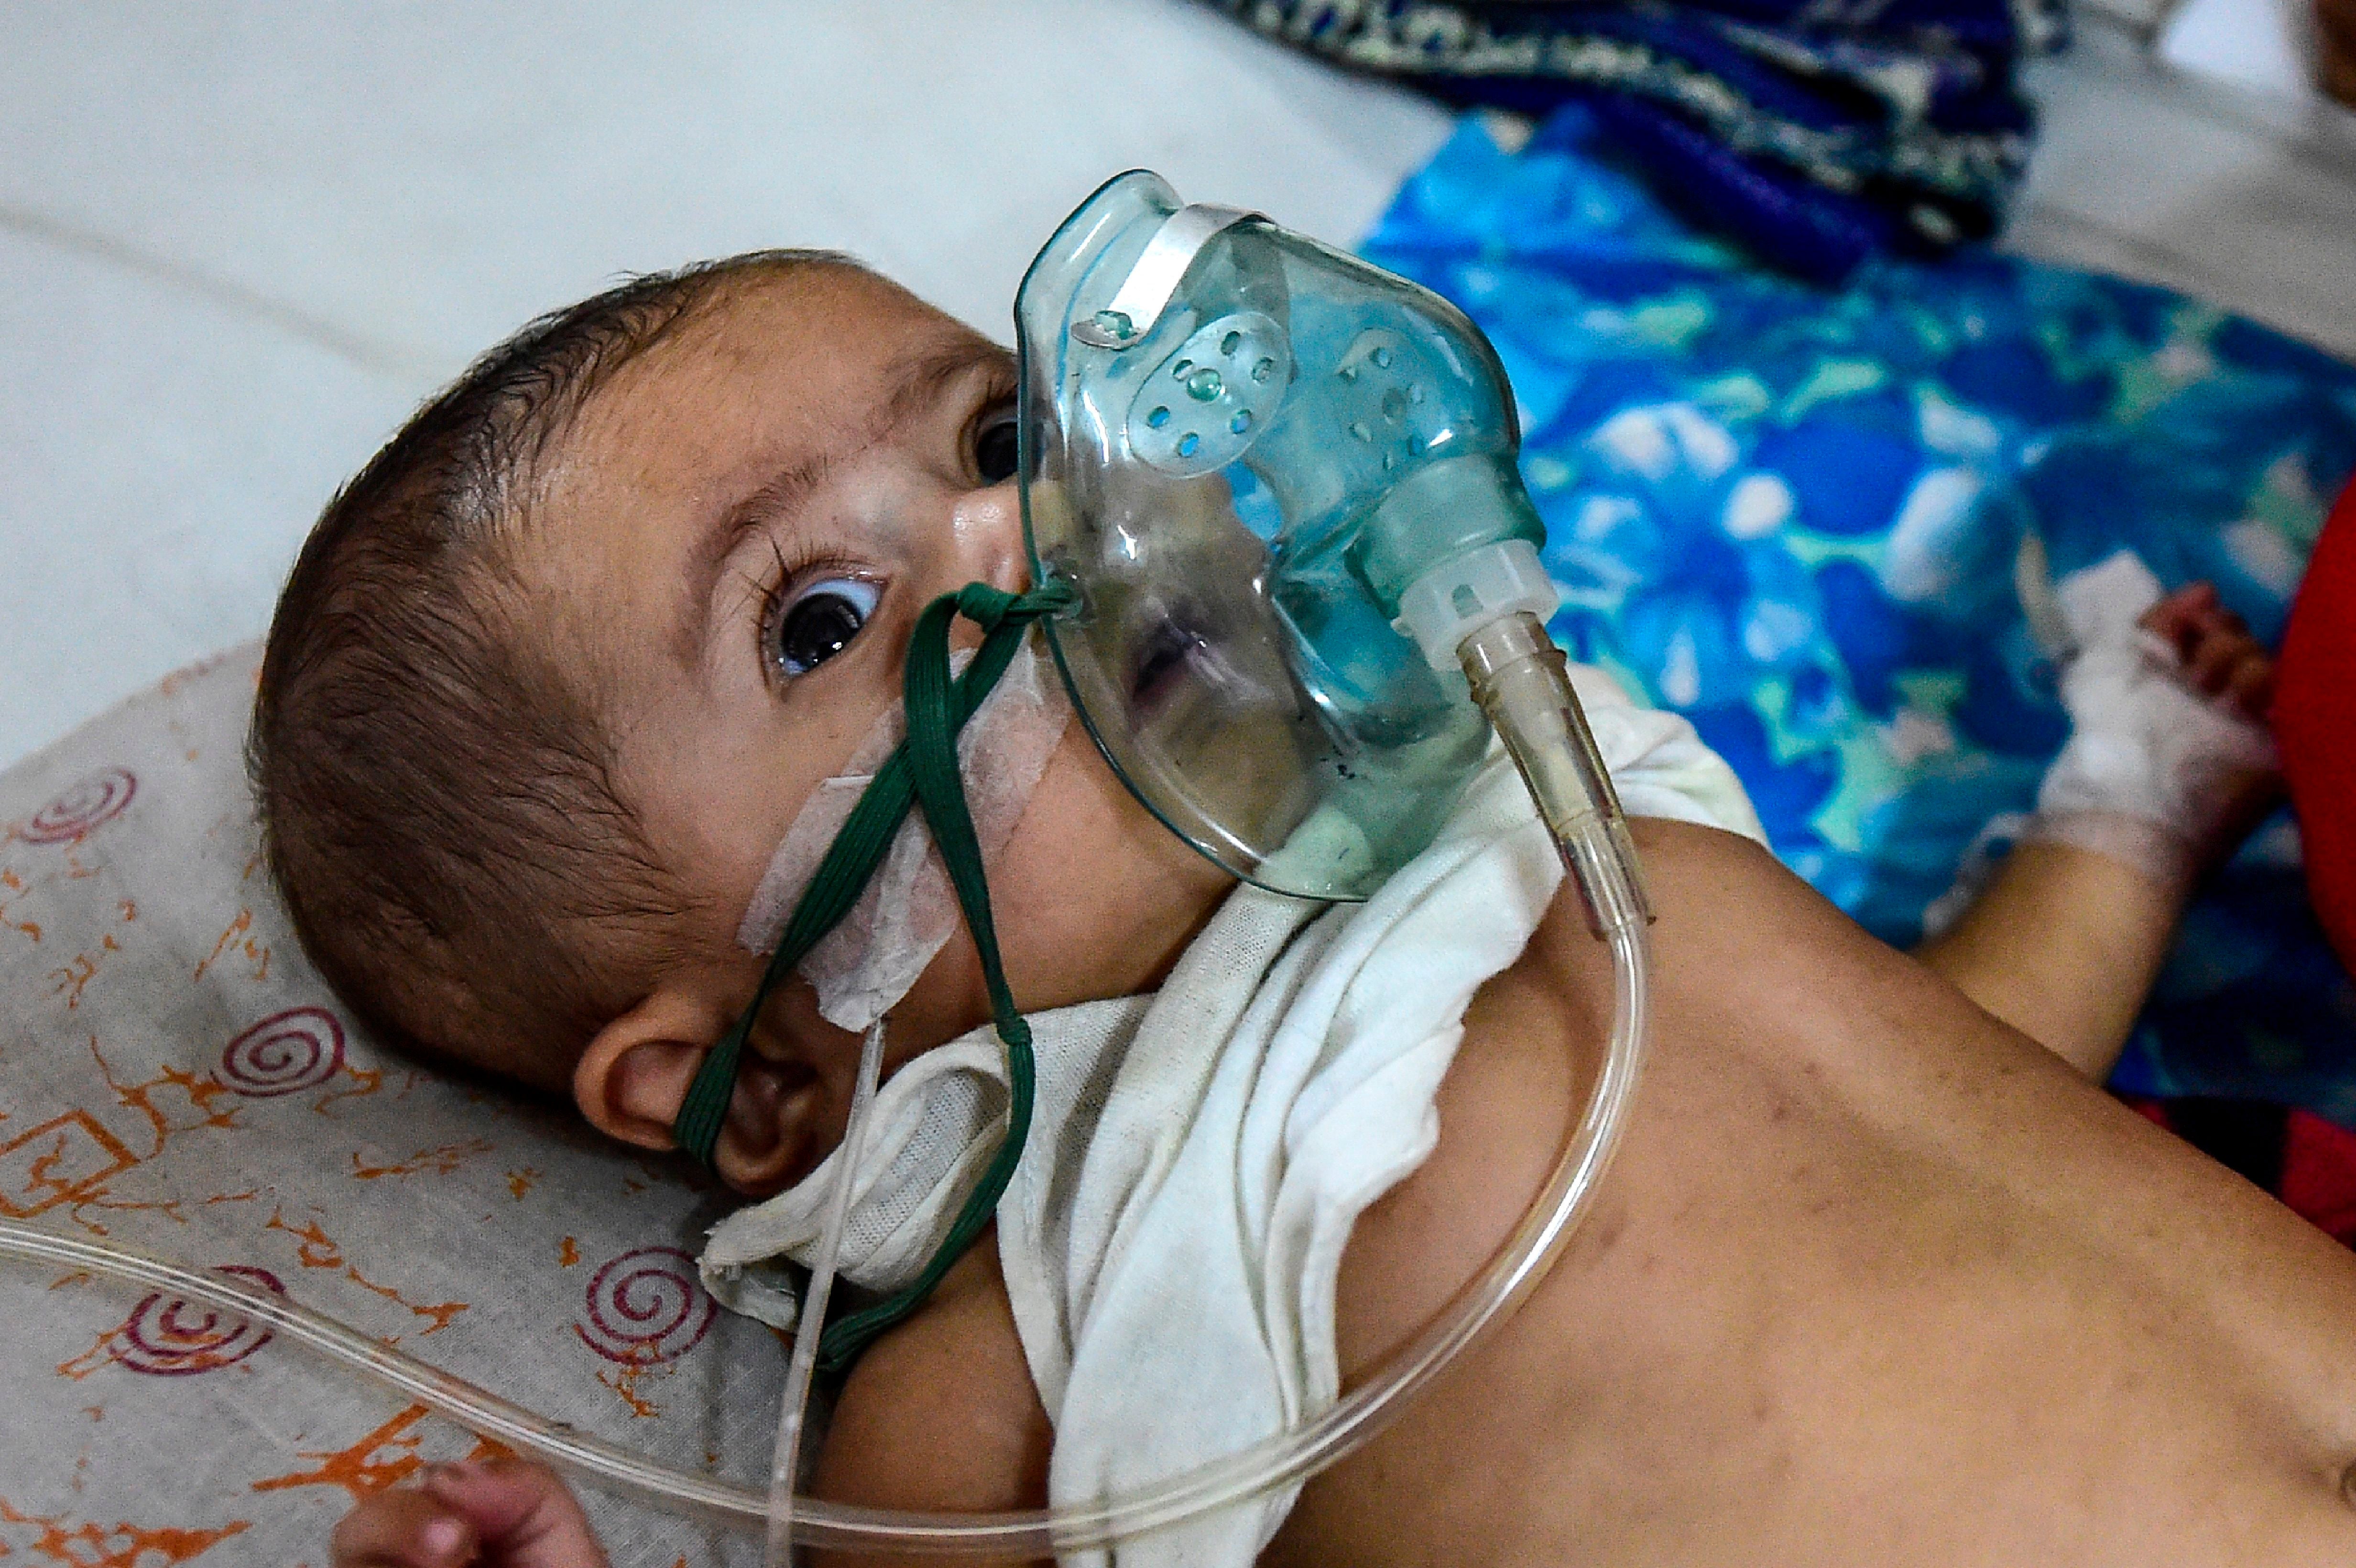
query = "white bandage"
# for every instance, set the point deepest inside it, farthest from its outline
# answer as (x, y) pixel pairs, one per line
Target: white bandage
(909, 912)
(2147, 776)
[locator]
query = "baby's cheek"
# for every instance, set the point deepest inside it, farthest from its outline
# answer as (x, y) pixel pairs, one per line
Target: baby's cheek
(1093, 894)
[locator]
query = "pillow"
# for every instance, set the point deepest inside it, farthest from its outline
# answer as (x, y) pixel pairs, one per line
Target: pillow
(175, 1078)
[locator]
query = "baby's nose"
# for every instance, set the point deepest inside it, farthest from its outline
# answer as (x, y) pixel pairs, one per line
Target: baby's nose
(987, 525)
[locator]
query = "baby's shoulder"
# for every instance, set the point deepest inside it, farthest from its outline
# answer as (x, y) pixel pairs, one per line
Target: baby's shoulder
(940, 1413)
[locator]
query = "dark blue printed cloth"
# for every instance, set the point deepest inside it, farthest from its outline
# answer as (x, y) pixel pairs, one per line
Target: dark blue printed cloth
(1797, 515)
(1817, 133)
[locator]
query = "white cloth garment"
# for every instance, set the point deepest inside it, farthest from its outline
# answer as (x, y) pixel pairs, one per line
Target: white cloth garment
(1171, 1239)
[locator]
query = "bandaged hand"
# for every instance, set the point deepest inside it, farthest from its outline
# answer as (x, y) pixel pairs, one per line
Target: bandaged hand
(2169, 763)
(506, 1513)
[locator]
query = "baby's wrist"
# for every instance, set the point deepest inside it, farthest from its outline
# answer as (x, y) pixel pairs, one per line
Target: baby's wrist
(2153, 851)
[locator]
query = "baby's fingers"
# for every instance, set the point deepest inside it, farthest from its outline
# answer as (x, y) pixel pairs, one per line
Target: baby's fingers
(2216, 660)
(2183, 617)
(2251, 688)
(522, 1513)
(403, 1530)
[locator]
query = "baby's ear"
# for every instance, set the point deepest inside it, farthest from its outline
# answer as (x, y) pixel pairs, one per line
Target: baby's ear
(635, 1075)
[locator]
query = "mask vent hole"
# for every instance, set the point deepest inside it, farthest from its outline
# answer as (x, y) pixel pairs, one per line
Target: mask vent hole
(1465, 600)
(1219, 389)
(1381, 395)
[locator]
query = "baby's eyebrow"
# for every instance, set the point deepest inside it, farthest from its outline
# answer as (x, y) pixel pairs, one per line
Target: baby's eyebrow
(923, 378)
(918, 382)
(778, 495)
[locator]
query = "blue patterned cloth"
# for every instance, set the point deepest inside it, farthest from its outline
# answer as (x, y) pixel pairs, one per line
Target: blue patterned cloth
(1817, 133)
(1794, 514)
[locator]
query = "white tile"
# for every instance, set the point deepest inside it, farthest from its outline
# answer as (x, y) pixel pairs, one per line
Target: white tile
(439, 172)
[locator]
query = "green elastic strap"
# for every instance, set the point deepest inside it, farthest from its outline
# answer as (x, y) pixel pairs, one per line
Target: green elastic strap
(922, 770)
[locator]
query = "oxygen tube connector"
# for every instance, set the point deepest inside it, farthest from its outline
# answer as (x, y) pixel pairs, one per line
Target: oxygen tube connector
(1484, 612)
(1523, 683)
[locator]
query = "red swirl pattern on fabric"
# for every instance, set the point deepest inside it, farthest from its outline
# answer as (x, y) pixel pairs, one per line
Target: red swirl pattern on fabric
(288, 1051)
(645, 1306)
(171, 1337)
(88, 803)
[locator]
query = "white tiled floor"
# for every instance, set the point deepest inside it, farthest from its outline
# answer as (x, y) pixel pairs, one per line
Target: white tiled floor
(239, 240)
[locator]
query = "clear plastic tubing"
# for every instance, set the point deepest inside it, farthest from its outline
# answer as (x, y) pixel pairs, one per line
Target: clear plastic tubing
(1592, 847)
(809, 1317)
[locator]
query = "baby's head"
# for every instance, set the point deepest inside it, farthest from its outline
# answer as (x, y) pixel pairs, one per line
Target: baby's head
(555, 673)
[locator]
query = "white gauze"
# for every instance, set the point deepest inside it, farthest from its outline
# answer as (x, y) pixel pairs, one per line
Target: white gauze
(2146, 777)
(909, 911)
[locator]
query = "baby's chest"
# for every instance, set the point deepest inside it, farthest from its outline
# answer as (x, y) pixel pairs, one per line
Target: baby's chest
(1792, 1332)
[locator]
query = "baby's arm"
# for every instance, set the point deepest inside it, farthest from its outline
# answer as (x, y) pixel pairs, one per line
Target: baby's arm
(2066, 940)
(940, 1414)
(2063, 945)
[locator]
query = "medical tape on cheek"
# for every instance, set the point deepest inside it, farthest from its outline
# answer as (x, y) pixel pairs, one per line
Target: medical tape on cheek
(908, 911)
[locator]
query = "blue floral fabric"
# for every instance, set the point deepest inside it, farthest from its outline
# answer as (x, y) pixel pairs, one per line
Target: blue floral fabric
(1797, 514)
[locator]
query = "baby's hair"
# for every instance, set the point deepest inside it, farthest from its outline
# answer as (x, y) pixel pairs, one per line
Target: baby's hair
(434, 777)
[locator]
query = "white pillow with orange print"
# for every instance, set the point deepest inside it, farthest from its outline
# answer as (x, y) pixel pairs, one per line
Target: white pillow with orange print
(175, 1078)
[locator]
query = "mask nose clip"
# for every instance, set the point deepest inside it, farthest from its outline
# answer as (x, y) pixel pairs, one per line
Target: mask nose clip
(1137, 305)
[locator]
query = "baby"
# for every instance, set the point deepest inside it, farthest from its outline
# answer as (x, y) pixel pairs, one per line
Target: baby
(1876, 1276)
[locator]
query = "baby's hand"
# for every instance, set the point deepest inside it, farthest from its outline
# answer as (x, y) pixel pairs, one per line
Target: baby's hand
(502, 1513)
(2215, 653)
(2169, 763)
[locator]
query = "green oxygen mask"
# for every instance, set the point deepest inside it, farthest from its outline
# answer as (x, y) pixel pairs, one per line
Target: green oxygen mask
(1280, 485)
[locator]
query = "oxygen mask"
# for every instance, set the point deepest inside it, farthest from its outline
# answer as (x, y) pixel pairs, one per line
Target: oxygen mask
(1280, 483)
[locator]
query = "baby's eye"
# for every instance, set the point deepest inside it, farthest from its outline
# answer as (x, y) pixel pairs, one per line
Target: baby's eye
(816, 621)
(996, 448)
